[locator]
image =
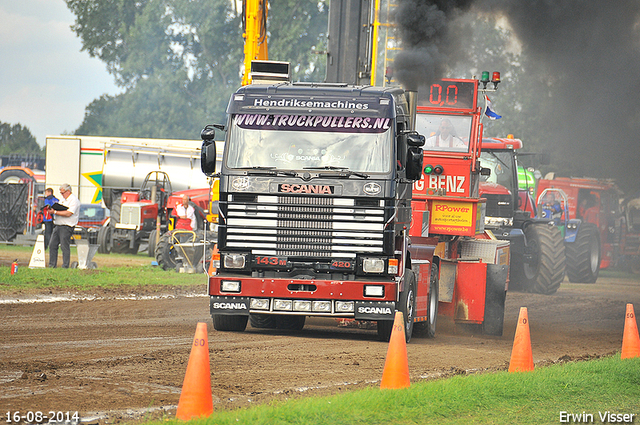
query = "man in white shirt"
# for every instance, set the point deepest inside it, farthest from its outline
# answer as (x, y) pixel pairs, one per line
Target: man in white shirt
(184, 211)
(64, 222)
(445, 137)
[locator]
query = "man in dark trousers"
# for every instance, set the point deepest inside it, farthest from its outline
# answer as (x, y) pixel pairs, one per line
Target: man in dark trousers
(65, 221)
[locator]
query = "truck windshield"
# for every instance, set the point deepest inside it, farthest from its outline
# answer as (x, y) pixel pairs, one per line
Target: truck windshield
(361, 149)
(444, 132)
(501, 166)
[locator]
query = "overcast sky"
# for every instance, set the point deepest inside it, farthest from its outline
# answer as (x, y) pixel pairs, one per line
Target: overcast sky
(45, 80)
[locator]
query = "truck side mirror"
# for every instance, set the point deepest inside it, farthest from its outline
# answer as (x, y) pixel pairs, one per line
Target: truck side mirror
(208, 133)
(208, 158)
(415, 157)
(416, 140)
(208, 151)
(485, 171)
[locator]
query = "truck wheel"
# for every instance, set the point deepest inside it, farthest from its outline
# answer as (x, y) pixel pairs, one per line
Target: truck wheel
(104, 234)
(223, 322)
(151, 249)
(583, 255)
(428, 328)
(165, 253)
(262, 321)
(544, 271)
(291, 323)
(407, 305)
(384, 328)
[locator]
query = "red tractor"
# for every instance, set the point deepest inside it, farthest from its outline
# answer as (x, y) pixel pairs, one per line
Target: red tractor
(139, 217)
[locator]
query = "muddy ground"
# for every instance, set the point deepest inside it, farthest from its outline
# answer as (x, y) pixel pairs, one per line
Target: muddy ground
(122, 357)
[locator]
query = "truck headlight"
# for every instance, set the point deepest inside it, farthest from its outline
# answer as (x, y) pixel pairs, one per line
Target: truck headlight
(301, 305)
(230, 286)
(234, 261)
(283, 305)
(259, 304)
(345, 306)
(321, 306)
(373, 265)
(374, 291)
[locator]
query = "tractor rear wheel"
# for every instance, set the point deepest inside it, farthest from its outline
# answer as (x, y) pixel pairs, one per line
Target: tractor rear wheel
(543, 271)
(166, 254)
(583, 255)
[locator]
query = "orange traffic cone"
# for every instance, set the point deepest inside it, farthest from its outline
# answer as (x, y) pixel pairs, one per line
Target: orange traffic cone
(521, 356)
(396, 367)
(630, 339)
(195, 398)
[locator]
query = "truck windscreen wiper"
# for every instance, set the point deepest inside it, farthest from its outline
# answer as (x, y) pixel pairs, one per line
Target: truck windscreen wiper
(269, 171)
(342, 172)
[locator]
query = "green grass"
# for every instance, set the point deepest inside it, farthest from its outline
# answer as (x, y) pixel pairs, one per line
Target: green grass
(104, 276)
(538, 397)
(86, 279)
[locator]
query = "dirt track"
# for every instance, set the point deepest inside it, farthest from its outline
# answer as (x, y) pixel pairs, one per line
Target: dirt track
(118, 359)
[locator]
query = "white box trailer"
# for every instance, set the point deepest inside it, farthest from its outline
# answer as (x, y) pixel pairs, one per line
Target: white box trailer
(94, 165)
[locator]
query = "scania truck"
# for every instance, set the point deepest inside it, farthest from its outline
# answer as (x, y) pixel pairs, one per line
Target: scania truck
(325, 210)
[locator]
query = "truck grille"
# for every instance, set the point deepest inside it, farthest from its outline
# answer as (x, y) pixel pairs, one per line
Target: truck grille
(305, 226)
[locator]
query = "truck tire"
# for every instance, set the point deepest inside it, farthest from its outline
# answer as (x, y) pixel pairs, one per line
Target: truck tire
(291, 323)
(583, 255)
(262, 321)
(407, 305)
(223, 322)
(545, 272)
(165, 252)
(428, 328)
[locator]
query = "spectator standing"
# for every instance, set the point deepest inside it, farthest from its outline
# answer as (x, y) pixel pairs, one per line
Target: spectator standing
(64, 222)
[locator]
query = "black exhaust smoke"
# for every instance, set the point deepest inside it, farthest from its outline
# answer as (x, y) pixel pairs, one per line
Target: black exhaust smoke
(584, 56)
